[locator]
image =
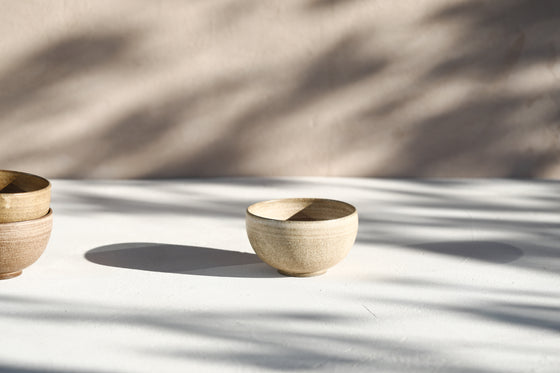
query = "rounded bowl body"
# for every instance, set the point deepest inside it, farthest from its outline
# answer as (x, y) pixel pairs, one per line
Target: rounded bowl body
(23, 196)
(22, 243)
(302, 236)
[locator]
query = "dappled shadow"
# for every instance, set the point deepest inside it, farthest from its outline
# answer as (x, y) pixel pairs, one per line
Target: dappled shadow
(501, 126)
(7, 368)
(470, 289)
(326, 4)
(397, 304)
(341, 65)
(54, 82)
(193, 260)
(33, 85)
(526, 315)
(504, 47)
(536, 309)
(223, 198)
(500, 222)
(487, 251)
(277, 341)
(468, 88)
(176, 130)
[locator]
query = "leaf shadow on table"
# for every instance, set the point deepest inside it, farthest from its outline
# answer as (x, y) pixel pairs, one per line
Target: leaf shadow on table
(7, 368)
(533, 308)
(504, 222)
(486, 251)
(192, 260)
(278, 340)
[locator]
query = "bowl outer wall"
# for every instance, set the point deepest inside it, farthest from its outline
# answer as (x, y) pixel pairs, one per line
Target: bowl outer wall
(302, 246)
(22, 243)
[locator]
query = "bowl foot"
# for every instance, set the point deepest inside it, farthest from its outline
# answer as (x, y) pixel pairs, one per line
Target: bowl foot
(306, 274)
(5, 276)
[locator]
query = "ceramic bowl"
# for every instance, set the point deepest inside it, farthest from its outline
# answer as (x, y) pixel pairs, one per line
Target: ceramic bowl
(302, 236)
(22, 243)
(23, 196)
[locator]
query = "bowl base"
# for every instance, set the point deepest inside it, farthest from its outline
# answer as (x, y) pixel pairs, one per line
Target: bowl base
(306, 274)
(5, 276)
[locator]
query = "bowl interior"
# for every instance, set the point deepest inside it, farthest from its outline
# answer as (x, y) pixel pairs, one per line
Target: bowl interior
(19, 182)
(301, 209)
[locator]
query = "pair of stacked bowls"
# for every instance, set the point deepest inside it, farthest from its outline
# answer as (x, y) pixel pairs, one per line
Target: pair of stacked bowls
(25, 220)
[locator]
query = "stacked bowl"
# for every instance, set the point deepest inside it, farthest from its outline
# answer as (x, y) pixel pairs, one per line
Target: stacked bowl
(25, 220)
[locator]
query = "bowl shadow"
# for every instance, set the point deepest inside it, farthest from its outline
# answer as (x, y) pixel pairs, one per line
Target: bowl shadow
(192, 260)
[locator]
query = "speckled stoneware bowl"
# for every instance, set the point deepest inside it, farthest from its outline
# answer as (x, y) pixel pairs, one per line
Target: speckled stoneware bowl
(302, 236)
(23, 196)
(22, 243)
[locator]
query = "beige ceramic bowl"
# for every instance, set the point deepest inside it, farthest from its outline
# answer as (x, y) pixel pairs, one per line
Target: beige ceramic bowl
(302, 236)
(23, 196)
(22, 243)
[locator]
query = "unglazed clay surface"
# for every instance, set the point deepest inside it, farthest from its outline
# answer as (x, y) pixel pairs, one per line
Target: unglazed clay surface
(22, 243)
(303, 236)
(23, 196)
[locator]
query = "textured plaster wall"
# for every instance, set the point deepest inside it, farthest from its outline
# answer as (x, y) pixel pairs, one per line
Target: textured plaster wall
(413, 88)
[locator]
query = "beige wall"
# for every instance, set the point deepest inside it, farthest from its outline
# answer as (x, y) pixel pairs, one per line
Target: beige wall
(428, 88)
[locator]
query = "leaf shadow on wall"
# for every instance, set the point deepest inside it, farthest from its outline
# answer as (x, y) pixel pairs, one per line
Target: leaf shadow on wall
(37, 79)
(191, 130)
(492, 131)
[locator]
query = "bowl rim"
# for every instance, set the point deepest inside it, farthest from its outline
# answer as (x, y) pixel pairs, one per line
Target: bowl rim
(48, 186)
(24, 222)
(349, 216)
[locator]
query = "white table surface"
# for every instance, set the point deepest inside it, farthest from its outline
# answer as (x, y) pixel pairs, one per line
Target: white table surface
(447, 276)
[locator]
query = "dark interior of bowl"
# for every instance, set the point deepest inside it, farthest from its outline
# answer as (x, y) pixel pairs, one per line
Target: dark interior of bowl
(17, 182)
(305, 209)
